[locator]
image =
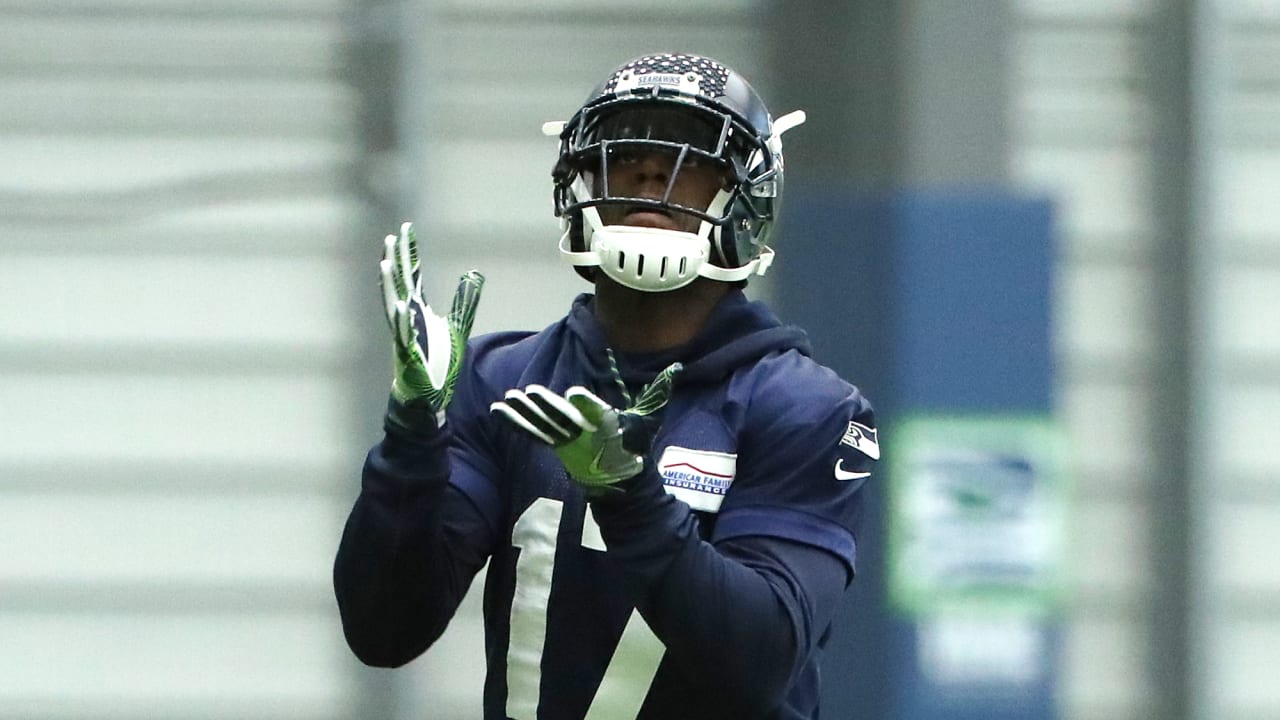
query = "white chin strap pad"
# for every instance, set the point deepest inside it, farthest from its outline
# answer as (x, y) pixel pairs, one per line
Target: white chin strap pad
(652, 259)
(649, 259)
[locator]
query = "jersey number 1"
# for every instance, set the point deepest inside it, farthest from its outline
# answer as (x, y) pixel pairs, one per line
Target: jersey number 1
(635, 660)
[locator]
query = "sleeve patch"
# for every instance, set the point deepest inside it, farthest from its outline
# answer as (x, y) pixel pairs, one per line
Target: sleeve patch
(862, 438)
(700, 478)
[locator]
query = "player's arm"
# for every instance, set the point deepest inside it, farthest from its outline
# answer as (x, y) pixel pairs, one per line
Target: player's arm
(411, 544)
(725, 605)
(775, 569)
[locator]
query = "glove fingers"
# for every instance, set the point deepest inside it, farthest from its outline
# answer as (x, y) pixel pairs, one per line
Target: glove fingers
(506, 411)
(465, 300)
(386, 279)
(528, 416)
(406, 262)
(589, 404)
(559, 411)
(409, 239)
(394, 283)
(656, 394)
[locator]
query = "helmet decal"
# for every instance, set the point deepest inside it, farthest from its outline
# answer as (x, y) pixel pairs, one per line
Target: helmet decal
(696, 75)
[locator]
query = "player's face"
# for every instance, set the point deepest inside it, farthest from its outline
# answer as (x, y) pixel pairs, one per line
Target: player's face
(641, 163)
(647, 175)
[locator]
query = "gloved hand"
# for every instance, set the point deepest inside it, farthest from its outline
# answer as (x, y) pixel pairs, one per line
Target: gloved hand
(428, 347)
(599, 445)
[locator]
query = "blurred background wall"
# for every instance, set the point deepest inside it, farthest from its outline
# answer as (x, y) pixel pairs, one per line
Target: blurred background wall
(193, 360)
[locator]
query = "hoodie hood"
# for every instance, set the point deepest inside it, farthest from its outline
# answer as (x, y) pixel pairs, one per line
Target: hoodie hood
(738, 332)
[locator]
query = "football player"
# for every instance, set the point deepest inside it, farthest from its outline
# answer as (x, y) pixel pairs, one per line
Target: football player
(665, 485)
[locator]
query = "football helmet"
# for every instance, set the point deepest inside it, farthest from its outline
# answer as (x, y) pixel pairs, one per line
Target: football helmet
(697, 112)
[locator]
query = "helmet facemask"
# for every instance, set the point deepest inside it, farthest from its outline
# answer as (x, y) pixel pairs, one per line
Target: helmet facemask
(698, 115)
(691, 138)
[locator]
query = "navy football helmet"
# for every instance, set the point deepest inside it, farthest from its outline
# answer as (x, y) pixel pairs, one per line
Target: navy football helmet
(700, 112)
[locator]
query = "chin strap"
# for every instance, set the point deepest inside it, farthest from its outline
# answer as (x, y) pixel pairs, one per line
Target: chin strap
(793, 119)
(576, 258)
(757, 266)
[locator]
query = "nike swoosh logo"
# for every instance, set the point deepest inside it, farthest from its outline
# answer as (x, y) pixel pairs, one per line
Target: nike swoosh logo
(842, 474)
(594, 468)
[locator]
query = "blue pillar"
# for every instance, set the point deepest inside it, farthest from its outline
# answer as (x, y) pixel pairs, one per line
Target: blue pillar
(937, 304)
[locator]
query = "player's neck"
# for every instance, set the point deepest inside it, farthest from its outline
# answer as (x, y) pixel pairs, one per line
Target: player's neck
(636, 321)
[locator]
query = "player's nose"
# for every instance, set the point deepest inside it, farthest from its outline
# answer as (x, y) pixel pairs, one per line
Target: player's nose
(651, 173)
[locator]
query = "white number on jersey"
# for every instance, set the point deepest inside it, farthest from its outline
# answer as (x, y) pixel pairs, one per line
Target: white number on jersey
(635, 660)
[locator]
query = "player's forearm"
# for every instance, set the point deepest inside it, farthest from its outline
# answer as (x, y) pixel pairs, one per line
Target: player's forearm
(748, 619)
(712, 611)
(757, 606)
(394, 577)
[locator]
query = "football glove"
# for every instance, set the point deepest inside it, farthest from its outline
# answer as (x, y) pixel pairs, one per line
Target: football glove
(428, 347)
(599, 445)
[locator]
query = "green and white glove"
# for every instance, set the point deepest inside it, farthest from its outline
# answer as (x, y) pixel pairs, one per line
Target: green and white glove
(428, 347)
(599, 445)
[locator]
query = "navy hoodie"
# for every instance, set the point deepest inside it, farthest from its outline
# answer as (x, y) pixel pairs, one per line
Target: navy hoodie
(705, 590)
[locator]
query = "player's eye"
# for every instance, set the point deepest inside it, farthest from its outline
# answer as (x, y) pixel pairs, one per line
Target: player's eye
(625, 156)
(698, 160)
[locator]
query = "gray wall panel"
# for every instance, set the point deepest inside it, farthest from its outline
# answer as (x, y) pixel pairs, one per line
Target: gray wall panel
(176, 354)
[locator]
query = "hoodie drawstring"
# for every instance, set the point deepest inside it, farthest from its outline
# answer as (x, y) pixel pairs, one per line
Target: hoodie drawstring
(617, 375)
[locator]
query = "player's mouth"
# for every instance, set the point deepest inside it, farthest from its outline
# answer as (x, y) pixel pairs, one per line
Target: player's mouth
(651, 218)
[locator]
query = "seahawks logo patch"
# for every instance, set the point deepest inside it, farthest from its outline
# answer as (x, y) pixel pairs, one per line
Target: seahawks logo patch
(862, 438)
